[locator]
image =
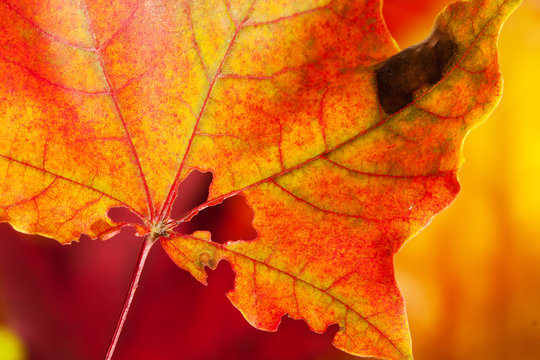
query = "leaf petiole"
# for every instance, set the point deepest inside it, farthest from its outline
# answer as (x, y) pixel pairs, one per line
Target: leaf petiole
(148, 241)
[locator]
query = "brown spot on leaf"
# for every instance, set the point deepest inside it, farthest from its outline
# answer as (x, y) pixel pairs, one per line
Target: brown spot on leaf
(206, 260)
(399, 77)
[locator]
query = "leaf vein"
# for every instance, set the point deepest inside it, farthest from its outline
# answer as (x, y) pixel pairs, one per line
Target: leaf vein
(332, 296)
(299, 198)
(197, 47)
(73, 182)
(122, 27)
(122, 120)
(46, 33)
(47, 81)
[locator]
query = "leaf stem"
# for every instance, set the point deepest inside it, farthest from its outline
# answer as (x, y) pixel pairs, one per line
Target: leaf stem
(148, 241)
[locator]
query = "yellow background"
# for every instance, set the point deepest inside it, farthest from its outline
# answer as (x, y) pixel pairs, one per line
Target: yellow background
(471, 279)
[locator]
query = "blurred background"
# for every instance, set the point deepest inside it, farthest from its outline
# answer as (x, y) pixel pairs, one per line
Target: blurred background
(471, 280)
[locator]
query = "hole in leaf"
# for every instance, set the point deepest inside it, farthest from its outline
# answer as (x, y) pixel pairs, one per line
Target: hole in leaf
(230, 220)
(222, 278)
(192, 192)
(122, 214)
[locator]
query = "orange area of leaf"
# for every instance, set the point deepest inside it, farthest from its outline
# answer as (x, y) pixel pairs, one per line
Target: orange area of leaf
(114, 103)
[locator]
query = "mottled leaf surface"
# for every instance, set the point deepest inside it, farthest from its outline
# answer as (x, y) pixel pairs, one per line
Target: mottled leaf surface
(342, 147)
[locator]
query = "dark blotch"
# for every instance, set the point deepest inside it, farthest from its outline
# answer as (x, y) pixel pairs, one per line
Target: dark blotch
(399, 77)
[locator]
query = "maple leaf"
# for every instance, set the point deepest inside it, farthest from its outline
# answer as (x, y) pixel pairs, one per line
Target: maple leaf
(342, 147)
